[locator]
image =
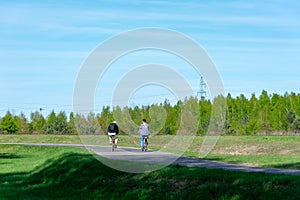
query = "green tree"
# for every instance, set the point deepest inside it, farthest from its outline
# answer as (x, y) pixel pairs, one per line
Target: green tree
(49, 125)
(105, 118)
(218, 114)
(125, 123)
(158, 117)
(72, 125)
(189, 117)
(228, 126)
(9, 124)
(37, 122)
(172, 118)
(276, 112)
(136, 114)
(252, 123)
(264, 105)
(22, 123)
(204, 116)
(60, 125)
(252, 127)
(86, 125)
(291, 116)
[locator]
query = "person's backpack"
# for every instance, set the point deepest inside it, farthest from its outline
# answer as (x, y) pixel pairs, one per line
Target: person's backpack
(112, 128)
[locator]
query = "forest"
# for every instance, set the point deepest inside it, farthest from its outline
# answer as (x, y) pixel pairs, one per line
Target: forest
(266, 114)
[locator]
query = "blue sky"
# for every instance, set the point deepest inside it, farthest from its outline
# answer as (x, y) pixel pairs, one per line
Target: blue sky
(254, 44)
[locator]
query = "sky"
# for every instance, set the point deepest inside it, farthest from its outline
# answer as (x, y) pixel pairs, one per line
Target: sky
(255, 46)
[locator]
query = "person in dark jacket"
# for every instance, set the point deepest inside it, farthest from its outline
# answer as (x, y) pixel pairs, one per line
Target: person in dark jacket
(113, 129)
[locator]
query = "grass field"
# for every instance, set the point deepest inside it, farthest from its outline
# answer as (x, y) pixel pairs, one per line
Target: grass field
(266, 151)
(36, 172)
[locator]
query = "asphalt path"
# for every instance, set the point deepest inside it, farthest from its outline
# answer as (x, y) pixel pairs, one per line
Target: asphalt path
(157, 157)
(152, 160)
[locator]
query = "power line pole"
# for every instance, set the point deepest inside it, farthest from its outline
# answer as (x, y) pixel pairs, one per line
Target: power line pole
(201, 92)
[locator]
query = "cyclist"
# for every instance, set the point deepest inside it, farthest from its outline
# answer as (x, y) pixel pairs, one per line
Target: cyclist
(113, 129)
(144, 131)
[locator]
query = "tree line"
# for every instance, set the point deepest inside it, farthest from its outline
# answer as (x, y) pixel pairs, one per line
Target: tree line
(265, 114)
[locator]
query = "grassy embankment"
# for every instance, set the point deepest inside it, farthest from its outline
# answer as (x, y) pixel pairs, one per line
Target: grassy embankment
(266, 151)
(37, 172)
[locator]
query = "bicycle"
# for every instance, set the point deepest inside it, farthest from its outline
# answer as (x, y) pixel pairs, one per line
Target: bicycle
(145, 147)
(113, 138)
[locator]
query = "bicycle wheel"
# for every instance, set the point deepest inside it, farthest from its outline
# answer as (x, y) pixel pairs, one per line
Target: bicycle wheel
(112, 143)
(145, 144)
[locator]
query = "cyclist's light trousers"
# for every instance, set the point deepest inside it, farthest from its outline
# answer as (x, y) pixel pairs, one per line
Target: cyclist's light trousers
(116, 140)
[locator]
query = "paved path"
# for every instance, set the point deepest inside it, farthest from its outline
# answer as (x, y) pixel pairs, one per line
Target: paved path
(156, 157)
(163, 159)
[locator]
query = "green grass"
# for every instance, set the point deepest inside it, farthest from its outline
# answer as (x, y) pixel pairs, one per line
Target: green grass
(26, 158)
(282, 161)
(266, 151)
(59, 139)
(32, 172)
